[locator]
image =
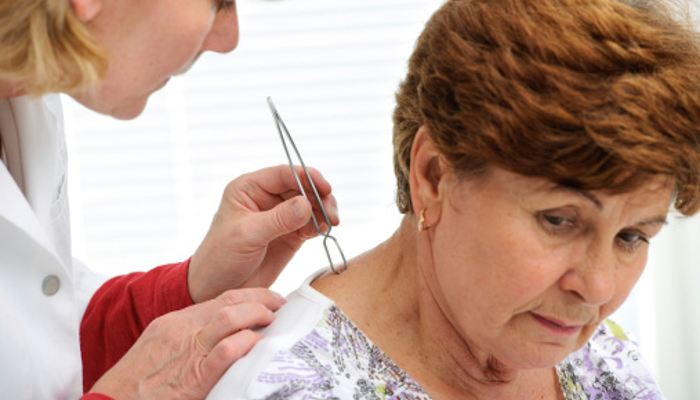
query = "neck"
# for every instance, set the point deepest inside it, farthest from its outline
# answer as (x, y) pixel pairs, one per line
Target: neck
(9, 89)
(395, 281)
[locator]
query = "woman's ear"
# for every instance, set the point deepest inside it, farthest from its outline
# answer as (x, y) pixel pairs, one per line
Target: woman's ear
(86, 10)
(427, 171)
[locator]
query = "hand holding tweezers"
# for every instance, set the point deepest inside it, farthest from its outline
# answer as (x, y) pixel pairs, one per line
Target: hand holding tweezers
(286, 137)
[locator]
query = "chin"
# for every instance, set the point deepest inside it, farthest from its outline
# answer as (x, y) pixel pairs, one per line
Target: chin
(127, 112)
(126, 109)
(527, 356)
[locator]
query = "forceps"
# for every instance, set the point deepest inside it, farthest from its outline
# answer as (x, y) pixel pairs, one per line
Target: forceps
(286, 137)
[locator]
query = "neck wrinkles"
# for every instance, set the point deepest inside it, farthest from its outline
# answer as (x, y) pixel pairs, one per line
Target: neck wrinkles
(423, 341)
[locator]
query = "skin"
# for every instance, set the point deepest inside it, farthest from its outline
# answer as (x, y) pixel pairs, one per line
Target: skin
(259, 226)
(514, 274)
(150, 41)
(10, 89)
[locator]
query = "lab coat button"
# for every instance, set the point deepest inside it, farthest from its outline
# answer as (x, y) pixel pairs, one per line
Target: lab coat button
(51, 285)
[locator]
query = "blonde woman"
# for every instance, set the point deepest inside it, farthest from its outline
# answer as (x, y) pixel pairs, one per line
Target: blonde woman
(111, 55)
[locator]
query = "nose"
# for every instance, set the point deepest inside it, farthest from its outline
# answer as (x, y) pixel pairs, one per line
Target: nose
(223, 36)
(592, 274)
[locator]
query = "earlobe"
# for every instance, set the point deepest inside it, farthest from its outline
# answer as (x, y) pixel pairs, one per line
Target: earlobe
(427, 171)
(86, 10)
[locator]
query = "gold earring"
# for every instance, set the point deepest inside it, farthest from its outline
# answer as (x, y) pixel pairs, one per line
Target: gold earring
(422, 226)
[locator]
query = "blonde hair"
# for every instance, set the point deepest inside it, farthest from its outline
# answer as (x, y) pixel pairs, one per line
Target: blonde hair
(45, 48)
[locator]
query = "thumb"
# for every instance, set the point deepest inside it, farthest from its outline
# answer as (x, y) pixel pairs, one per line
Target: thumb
(284, 218)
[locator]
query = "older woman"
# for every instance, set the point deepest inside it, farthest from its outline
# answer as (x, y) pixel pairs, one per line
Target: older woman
(539, 145)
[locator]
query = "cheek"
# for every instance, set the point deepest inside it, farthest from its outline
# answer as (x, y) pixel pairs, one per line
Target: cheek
(185, 51)
(497, 272)
(179, 43)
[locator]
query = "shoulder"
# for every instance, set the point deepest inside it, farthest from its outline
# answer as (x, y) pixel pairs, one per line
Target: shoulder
(295, 322)
(313, 350)
(609, 366)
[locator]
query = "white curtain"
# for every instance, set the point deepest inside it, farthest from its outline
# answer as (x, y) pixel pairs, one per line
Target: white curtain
(143, 192)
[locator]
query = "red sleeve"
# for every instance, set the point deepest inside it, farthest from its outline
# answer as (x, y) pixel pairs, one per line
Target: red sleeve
(122, 308)
(95, 396)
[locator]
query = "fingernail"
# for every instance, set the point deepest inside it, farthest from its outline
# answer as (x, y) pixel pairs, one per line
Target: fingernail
(323, 227)
(296, 210)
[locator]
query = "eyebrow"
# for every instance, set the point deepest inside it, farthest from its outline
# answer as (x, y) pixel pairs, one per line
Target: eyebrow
(590, 196)
(661, 219)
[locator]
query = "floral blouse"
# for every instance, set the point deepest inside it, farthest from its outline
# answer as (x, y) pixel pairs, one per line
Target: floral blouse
(333, 359)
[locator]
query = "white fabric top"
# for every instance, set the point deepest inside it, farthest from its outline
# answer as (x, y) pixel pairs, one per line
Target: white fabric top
(305, 307)
(314, 351)
(43, 291)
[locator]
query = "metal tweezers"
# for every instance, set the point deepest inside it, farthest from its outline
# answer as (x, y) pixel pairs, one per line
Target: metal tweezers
(284, 137)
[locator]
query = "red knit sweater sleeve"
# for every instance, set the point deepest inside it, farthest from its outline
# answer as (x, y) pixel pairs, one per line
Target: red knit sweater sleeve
(95, 396)
(122, 308)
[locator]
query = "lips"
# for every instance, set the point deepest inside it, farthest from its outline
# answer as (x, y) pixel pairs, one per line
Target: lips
(556, 326)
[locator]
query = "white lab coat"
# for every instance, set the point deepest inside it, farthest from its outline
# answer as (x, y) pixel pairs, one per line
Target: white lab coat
(43, 291)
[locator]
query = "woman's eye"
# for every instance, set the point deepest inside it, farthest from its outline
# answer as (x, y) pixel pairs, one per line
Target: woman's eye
(555, 221)
(556, 224)
(632, 240)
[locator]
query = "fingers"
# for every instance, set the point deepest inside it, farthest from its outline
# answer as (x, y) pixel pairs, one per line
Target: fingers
(286, 217)
(279, 179)
(267, 187)
(268, 298)
(289, 216)
(331, 206)
(236, 310)
(227, 321)
(226, 352)
(229, 337)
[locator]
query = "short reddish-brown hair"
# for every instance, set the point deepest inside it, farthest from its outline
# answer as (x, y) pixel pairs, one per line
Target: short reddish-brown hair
(590, 94)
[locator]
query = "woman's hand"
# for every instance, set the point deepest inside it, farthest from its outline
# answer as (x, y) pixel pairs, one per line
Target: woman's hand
(261, 223)
(181, 355)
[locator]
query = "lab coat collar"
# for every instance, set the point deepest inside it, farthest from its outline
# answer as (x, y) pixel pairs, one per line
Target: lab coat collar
(34, 124)
(15, 209)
